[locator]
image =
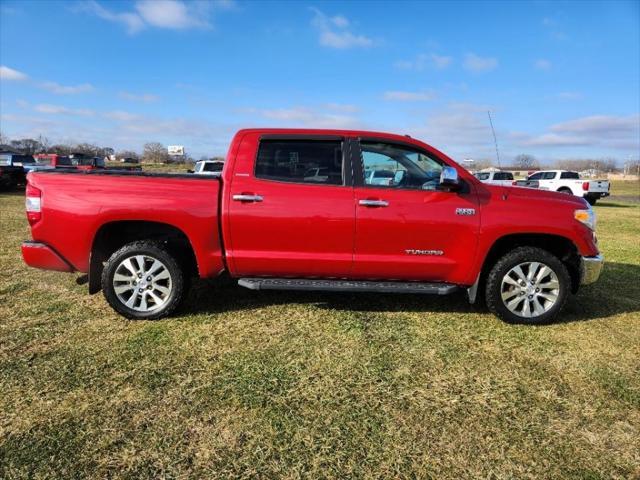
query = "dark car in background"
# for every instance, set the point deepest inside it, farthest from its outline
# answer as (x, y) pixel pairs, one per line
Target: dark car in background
(14, 168)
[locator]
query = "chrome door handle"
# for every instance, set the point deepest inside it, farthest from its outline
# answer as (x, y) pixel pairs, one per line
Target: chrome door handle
(374, 203)
(243, 197)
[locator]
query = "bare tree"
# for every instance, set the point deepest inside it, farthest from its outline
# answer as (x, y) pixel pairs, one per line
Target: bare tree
(155, 152)
(127, 154)
(525, 161)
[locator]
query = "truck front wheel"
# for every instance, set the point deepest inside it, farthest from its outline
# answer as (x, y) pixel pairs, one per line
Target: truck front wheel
(142, 280)
(527, 285)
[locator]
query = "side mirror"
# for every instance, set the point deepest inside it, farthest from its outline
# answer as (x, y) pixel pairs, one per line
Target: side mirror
(191, 171)
(449, 178)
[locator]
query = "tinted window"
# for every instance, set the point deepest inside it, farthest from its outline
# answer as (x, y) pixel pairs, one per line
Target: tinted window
(503, 176)
(23, 159)
(548, 175)
(387, 165)
(301, 161)
(5, 159)
(64, 161)
(536, 176)
(212, 167)
(571, 175)
(482, 176)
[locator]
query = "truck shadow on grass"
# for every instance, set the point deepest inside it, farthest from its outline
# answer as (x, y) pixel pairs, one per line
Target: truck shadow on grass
(617, 292)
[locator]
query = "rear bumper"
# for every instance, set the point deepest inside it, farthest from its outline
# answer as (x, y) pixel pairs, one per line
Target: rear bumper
(590, 268)
(596, 194)
(40, 255)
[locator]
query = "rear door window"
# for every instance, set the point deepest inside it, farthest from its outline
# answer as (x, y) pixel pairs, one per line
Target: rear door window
(293, 160)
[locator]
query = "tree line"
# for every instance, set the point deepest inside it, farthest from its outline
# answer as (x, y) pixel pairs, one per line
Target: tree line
(525, 161)
(152, 152)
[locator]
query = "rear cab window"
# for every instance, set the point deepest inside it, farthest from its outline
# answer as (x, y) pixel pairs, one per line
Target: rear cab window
(570, 175)
(301, 161)
(503, 176)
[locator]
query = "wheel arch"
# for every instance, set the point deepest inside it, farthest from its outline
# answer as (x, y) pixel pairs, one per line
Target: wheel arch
(113, 235)
(561, 247)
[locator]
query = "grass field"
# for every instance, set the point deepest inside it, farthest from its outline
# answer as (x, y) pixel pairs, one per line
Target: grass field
(247, 384)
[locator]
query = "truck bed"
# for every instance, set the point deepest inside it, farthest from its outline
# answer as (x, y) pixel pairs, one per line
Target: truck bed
(86, 201)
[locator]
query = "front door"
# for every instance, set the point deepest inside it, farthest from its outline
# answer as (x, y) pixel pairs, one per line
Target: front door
(291, 209)
(407, 227)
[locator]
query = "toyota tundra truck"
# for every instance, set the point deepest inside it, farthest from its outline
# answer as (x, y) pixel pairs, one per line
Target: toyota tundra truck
(431, 228)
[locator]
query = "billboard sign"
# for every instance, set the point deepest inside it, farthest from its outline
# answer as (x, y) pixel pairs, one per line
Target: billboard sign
(177, 150)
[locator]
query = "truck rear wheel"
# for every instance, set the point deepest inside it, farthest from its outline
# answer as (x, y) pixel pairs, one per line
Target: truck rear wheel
(142, 280)
(528, 285)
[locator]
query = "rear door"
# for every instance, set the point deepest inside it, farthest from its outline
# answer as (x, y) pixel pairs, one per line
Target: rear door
(283, 222)
(410, 229)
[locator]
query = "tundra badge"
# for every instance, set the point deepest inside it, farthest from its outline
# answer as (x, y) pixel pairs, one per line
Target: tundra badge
(412, 251)
(465, 211)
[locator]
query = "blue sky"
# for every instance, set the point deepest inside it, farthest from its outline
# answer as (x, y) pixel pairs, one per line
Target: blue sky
(562, 79)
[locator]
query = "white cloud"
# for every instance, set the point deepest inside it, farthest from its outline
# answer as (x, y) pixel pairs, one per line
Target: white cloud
(121, 116)
(600, 125)
(401, 96)
(460, 129)
(7, 73)
(335, 33)
(423, 60)
(58, 89)
(476, 64)
(171, 14)
(138, 97)
(555, 140)
(596, 131)
(131, 21)
(61, 110)
(542, 64)
(307, 117)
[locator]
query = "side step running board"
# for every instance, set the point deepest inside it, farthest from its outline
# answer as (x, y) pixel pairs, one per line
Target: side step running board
(346, 285)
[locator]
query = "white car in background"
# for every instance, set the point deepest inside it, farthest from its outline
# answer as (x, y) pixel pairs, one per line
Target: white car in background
(208, 167)
(495, 178)
(565, 181)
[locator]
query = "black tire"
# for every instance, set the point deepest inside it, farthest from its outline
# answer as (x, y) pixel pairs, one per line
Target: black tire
(591, 200)
(493, 286)
(565, 190)
(153, 250)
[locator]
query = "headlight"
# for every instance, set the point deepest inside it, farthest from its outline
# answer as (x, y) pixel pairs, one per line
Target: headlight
(588, 217)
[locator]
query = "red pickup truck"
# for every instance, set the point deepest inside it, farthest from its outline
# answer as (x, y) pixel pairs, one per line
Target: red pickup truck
(307, 210)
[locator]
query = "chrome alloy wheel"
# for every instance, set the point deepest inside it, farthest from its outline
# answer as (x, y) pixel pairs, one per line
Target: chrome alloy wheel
(142, 283)
(530, 289)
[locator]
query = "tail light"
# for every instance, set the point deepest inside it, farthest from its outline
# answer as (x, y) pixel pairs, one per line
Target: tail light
(33, 204)
(585, 186)
(515, 182)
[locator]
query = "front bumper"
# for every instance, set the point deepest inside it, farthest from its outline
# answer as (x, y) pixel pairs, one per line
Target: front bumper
(40, 255)
(590, 268)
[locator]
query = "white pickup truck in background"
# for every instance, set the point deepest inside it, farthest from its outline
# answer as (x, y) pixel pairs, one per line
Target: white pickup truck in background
(569, 182)
(495, 178)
